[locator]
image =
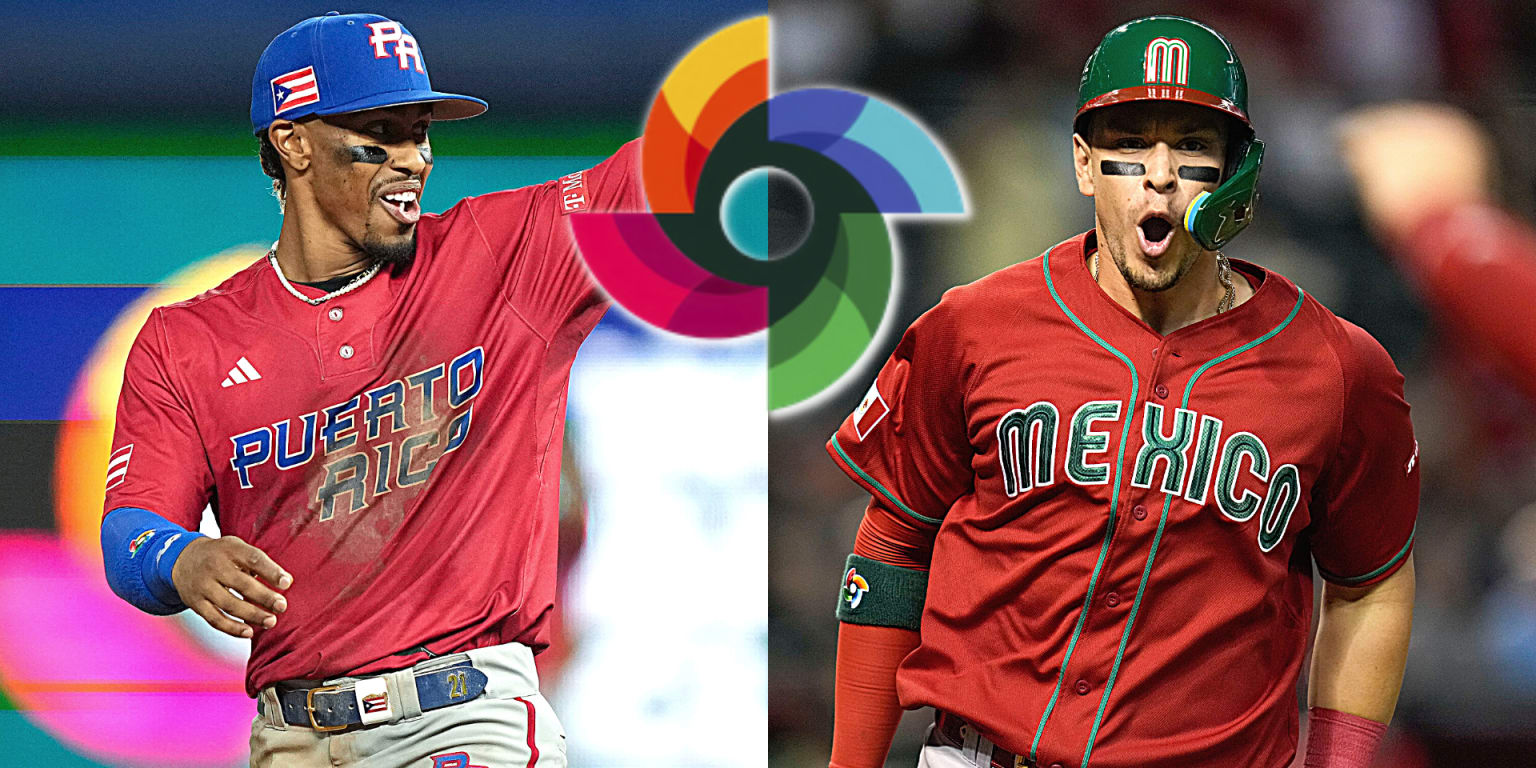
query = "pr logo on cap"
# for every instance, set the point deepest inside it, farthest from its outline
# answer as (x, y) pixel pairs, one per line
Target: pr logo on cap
(332, 64)
(405, 44)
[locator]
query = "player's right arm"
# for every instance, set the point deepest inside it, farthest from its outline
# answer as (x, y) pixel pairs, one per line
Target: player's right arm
(907, 444)
(158, 482)
(533, 253)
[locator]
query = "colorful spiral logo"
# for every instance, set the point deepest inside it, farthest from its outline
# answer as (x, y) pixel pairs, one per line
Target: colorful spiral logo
(854, 588)
(700, 263)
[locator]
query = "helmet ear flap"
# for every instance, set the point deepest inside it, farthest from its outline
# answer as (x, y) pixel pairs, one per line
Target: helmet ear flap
(1214, 218)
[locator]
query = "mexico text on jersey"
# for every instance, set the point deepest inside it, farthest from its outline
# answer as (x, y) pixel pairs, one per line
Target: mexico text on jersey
(398, 445)
(1126, 522)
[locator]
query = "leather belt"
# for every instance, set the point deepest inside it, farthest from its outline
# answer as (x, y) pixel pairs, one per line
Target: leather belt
(951, 731)
(335, 708)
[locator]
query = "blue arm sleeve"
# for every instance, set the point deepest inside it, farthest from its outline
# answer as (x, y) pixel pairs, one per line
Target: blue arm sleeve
(139, 548)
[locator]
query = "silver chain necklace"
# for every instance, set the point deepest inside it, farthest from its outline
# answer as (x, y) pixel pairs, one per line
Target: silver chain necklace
(1223, 273)
(352, 285)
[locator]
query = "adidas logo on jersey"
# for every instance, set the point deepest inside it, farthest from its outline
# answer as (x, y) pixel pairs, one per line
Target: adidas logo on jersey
(240, 374)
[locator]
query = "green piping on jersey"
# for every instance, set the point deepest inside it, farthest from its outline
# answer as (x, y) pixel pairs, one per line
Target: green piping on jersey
(1146, 571)
(1349, 581)
(1114, 500)
(891, 497)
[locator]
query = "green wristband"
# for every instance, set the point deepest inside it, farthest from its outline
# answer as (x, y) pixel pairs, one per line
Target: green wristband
(881, 595)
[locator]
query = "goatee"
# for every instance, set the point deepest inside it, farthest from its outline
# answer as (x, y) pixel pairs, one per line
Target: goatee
(391, 253)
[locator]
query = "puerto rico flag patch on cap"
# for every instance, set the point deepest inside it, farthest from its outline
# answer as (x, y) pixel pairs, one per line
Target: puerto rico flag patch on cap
(294, 90)
(870, 411)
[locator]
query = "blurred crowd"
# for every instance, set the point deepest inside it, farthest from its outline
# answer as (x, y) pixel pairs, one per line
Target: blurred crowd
(998, 81)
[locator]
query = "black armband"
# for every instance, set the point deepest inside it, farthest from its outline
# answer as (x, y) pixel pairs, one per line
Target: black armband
(881, 595)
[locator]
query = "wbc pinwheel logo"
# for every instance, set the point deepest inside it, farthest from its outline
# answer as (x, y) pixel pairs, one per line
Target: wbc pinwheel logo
(854, 588)
(724, 253)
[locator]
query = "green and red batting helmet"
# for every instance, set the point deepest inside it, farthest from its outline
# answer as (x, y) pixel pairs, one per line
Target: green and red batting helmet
(1171, 58)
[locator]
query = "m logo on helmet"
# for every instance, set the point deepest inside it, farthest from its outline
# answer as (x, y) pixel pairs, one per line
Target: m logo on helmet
(1167, 61)
(405, 43)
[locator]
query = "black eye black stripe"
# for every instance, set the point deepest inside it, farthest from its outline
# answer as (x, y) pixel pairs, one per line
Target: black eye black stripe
(1117, 168)
(368, 153)
(1199, 173)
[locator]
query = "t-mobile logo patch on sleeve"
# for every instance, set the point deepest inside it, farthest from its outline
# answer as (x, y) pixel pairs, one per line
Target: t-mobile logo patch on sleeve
(573, 192)
(117, 466)
(870, 412)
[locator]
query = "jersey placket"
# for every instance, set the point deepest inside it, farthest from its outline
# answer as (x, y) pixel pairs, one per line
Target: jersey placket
(1085, 650)
(1138, 533)
(1146, 501)
(344, 329)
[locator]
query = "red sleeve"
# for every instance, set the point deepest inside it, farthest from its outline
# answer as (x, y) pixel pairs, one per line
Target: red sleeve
(866, 709)
(894, 538)
(907, 442)
(1372, 485)
(1476, 265)
(529, 234)
(157, 461)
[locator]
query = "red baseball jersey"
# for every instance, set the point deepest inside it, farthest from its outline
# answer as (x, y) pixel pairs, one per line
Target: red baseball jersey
(397, 448)
(1126, 522)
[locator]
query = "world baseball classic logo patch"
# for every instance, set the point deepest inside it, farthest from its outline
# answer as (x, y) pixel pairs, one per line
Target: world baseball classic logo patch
(854, 587)
(138, 541)
(768, 211)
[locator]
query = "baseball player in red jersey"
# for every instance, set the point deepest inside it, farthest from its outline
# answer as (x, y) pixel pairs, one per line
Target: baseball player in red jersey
(1100, 478)
(374, 411)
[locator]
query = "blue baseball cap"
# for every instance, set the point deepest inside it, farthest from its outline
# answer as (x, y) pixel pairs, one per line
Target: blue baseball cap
(339, 63)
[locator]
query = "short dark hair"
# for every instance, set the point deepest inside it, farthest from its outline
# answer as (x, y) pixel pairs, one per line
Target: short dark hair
(272, 165)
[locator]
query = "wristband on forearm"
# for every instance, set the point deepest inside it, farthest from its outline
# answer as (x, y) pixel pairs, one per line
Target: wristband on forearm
(1340, 740)
(882, 595)
(139, 548)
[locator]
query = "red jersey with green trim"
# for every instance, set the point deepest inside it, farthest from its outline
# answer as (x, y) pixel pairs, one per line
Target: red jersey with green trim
(396, 448)
(1126, 522)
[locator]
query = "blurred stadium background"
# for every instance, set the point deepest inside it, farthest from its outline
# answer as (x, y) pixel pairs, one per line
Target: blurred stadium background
(127, 152)
(997, 79)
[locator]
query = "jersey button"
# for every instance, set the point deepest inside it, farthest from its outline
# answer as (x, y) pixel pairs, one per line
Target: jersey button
(345, 352)
(1112, 599)
(1161, 391)
(1140, 512)
(334, 314)
(1056, 765)
(1083, 687)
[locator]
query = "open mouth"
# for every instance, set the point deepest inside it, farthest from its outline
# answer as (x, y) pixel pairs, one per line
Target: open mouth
(403, 204)
(1156, 231)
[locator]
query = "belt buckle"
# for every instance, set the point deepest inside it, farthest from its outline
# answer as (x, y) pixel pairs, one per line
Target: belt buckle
(309, 705)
